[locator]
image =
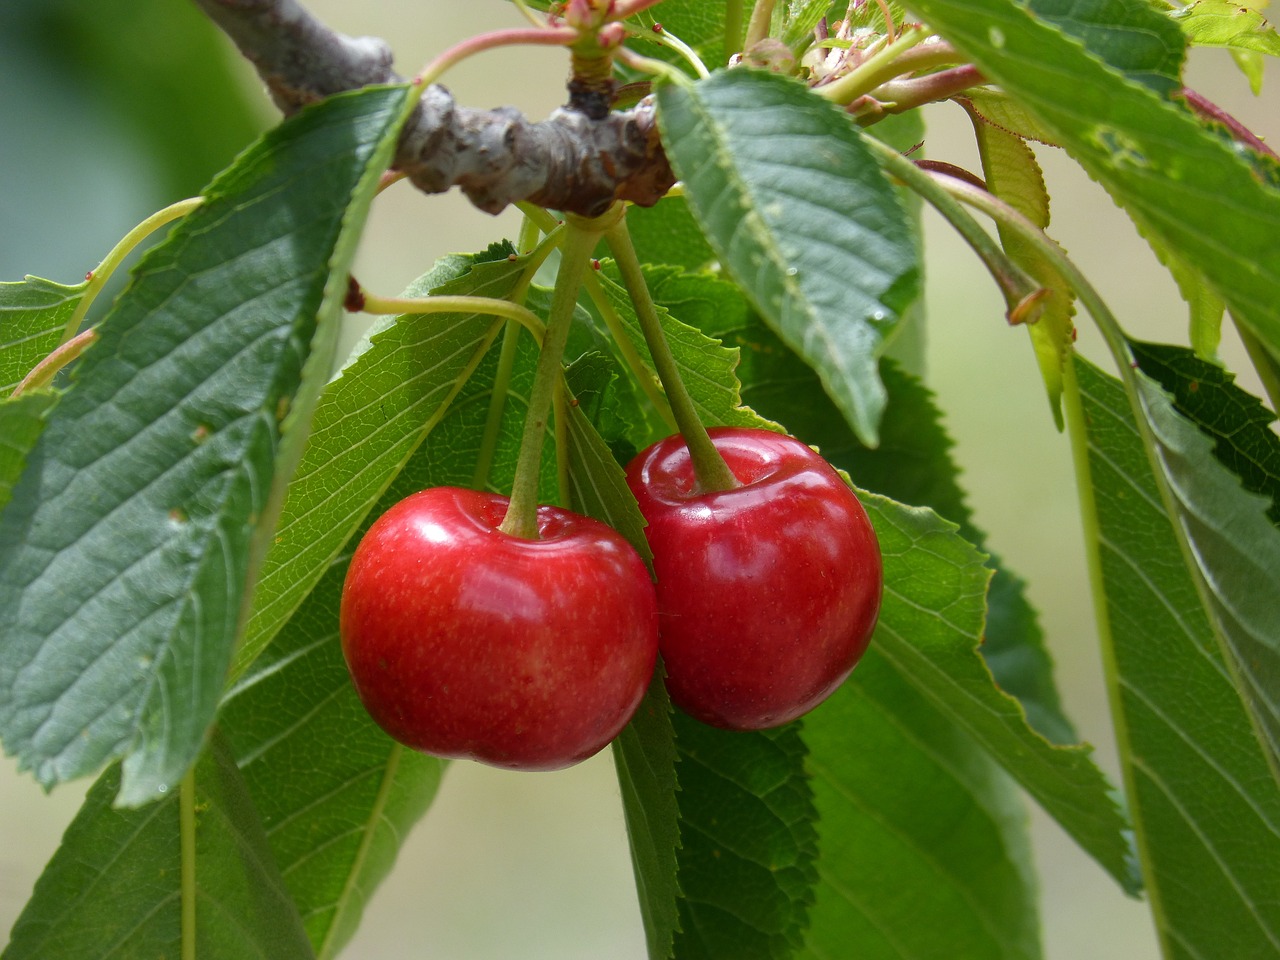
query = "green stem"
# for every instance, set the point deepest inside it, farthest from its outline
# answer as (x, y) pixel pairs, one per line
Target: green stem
(581, 237)
(48, 368)
(187, 848)
(528, 236)
(457, 304)
(758, 25)
(630, 355)
(882, 65)
(712, 472)
(1019, 289)
(560, 403)
(732, 27)
(99, 277)
(670, 40)
(497, 403)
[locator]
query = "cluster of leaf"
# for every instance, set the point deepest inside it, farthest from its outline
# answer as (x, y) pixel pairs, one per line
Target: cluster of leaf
(175, 522)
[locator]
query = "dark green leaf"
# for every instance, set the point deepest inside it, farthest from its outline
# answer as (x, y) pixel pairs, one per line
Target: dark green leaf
(128, 551)
(1134, 38)
(816, 237)
(1202, 195)
(336, 795)
(746, 859)
(116, 886)
(645, 756)
(1232, 549)
(667, 233)
(1236, 421)
(1204, 803)
(33, 319)
(924, 842)
(698, 23)
(368, 422)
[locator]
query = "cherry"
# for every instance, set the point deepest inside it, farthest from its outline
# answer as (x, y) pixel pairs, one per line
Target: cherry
(464, 641)
(768, 592)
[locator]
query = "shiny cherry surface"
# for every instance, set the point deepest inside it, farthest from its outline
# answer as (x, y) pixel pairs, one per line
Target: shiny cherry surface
(466, 642)
(767, 593)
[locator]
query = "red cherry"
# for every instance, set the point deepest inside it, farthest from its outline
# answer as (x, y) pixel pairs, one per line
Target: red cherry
(466, 642)
(767, 593)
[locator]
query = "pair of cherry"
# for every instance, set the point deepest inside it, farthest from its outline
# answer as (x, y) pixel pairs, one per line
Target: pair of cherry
(464, 641)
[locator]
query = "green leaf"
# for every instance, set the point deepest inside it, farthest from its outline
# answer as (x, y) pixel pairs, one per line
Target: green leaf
(907, 802)
(930, 628)
(368, 422)
(1204, 803)
(116, 886)
(22, 421)
(598, 485)
(645, 756)
(746, 860)
(1236, 421)
(128, 551)
(667, 233)
(1199, 193)
(816, 238)
(33, 318)
(336, 795)
(1133, 38)
(1218, 23)
(1231, 548)
(706, 366)
(698, 23)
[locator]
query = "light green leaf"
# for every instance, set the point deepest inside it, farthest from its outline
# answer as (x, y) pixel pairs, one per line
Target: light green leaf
(336, 795)
(128, 552)
(33, 318)
(1202, 195)
(1218, 23)
(924, 841)
(115, 887)
(814, 235)
(1204, 803)
(1013, 174)
(368, 422)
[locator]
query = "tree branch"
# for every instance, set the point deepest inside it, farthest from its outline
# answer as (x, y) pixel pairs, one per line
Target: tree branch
(497, 157)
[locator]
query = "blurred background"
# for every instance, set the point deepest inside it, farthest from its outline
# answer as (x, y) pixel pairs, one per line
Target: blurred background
(114, 108)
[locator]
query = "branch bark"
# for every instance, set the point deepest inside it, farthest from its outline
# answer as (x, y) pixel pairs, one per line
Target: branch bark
(568, 162)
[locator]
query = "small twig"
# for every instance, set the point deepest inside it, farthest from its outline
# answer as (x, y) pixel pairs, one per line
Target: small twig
(1209, 110)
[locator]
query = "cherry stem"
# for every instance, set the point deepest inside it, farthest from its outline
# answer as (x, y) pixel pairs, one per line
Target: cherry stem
(47, 369)
(885, 64)
(458, 304)
(99, 277)
(732, 27)
(580, 239)
(549, 36)
(497, 402)
(758, 25)
(1019, 289)
(712, 473)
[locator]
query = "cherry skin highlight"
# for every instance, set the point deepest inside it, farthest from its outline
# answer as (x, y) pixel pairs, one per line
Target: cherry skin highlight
(767, 593)
(466, 642)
